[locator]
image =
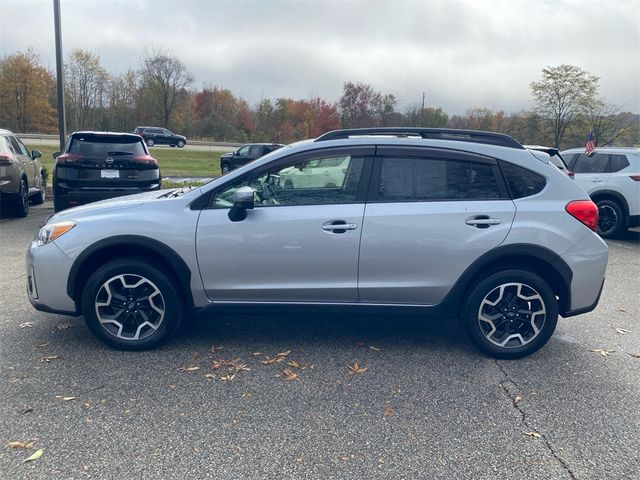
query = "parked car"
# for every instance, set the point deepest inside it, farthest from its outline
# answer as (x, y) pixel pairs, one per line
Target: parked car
(160, 136)
(22, 178)
(324, 172)
(555, 157)
(446, 223)
(245, 154)
(99, 165)
(611, 177)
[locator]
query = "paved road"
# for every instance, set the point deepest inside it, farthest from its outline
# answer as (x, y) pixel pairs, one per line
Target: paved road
(202, 148)
(428, 406)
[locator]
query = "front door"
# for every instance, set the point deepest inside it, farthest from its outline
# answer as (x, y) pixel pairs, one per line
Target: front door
(297, 244)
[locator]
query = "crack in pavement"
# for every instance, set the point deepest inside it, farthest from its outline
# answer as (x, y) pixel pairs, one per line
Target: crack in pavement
(514, 400)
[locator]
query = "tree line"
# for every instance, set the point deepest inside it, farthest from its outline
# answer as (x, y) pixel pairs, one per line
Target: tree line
(161, 93)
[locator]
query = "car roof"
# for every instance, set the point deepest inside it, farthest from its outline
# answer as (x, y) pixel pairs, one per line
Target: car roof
(632, 150)
(5, 132)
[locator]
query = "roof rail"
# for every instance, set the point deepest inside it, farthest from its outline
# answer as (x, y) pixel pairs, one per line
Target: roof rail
(475, 136)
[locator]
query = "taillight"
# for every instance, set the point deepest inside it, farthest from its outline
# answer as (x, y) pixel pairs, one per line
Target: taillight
(635, 177)
(145, 159)
(585, 211)
(6, 158)
(69, 157)
(570, 174)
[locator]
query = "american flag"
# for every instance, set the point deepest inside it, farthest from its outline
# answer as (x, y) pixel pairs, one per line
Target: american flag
(591, 144)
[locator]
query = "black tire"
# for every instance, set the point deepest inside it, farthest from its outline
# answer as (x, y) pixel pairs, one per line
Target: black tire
(60, 203)
(172, 146)
(118, 276)
(150, 142)
(21, 200)
(501, 289)
(611, 222)
(40, 196)
(225, 168)
(180, 143)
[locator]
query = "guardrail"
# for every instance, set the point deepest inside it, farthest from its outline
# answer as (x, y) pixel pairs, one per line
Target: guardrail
(54, 138)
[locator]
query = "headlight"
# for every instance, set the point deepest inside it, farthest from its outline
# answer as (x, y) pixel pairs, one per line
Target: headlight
(49, 233)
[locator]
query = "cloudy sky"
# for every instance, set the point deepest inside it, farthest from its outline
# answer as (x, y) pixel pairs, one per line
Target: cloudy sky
(461, 53)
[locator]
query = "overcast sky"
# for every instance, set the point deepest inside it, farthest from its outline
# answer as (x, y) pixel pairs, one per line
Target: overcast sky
(461, 53)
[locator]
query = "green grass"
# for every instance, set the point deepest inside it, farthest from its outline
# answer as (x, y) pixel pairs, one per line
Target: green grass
(173, 162)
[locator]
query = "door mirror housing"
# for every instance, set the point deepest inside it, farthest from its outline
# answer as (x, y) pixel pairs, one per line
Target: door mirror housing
(56, 154)
(243, 199)
(35, 154)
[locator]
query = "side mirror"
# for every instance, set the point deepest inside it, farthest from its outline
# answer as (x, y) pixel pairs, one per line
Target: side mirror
(35, 154)
(56, 154)
(242, 201)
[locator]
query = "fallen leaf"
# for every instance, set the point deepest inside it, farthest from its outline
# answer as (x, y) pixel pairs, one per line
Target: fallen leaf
(25, 410)
(517, 399)
(533, 434)
(622, 310)
(64, 326)
(247, 395)
(65, 399)
(622, 331)
(23, 445)
(635, 355)
(388, 411)
(210, 376)
(278, 358)
(228, 377)
(346, 458)
(356, 369)
(283, 354)
(294, 364)
(36, 455)
(188, 369)
(255, 354)
(290, 375)
(215, 348)
(50, 358)
(375, 349)
(26, 325)
(216, 365)
(602, 352)
(45, 344)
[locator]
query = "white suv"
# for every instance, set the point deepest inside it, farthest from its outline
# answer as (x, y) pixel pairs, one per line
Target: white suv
(611, 177)
(450, 223)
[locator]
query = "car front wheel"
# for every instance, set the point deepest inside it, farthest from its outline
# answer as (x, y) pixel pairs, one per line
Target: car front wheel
(180, 144)
(510, 314)
(150, 142)
(131, 305)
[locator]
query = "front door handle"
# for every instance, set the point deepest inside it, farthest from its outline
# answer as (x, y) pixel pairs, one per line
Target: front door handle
(338, 226)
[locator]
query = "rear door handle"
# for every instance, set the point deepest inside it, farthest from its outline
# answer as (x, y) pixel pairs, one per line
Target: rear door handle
(482, 222)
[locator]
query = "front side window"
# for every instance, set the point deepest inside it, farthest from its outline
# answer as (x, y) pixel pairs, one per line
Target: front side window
(299, 183)
(244, 150)
(595, 163)
(424, 179)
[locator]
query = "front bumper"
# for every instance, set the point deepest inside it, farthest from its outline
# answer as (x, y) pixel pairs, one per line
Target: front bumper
(47, 270)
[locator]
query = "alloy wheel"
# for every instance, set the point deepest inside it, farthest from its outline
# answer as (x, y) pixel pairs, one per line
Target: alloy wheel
(512, 315)
(607, 219)
(130, 307)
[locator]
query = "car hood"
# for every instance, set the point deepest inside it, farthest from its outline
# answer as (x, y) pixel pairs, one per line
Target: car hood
(226, 155)
(107, 206)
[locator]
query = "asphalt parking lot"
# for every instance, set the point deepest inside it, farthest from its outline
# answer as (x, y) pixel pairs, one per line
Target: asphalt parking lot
(215, 403)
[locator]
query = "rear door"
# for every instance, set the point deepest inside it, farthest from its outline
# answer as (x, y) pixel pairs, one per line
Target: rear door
(297, 244)
(430, 214)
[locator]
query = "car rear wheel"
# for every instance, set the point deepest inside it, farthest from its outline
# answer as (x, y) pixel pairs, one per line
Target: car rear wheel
(180, 144)
(150, 142)
(40, 196)
(510, 314)
(611, 221)
(131, 305)
(21, 205)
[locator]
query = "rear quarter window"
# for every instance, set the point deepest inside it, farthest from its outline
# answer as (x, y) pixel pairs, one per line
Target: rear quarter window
(618, 162)
(522, 182)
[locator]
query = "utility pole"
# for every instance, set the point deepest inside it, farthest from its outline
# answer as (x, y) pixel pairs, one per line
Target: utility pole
(422, 100)
(59, 73)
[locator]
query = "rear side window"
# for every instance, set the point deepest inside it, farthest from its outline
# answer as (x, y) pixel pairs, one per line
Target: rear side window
(618, 162)
(14, 145)
(106, 145)
(596, 163)
(424, 179)
(522, 182)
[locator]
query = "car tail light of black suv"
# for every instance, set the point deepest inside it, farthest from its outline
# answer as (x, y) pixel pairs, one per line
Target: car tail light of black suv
(96, 165)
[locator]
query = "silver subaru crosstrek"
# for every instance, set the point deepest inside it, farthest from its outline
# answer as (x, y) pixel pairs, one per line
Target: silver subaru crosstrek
(451, 223)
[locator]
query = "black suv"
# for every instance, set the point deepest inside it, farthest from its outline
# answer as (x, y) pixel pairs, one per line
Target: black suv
(245, 154)
(97, 165)
(160, 136)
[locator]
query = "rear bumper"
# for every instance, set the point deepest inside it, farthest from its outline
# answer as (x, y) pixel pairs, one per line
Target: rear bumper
(80, 197)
